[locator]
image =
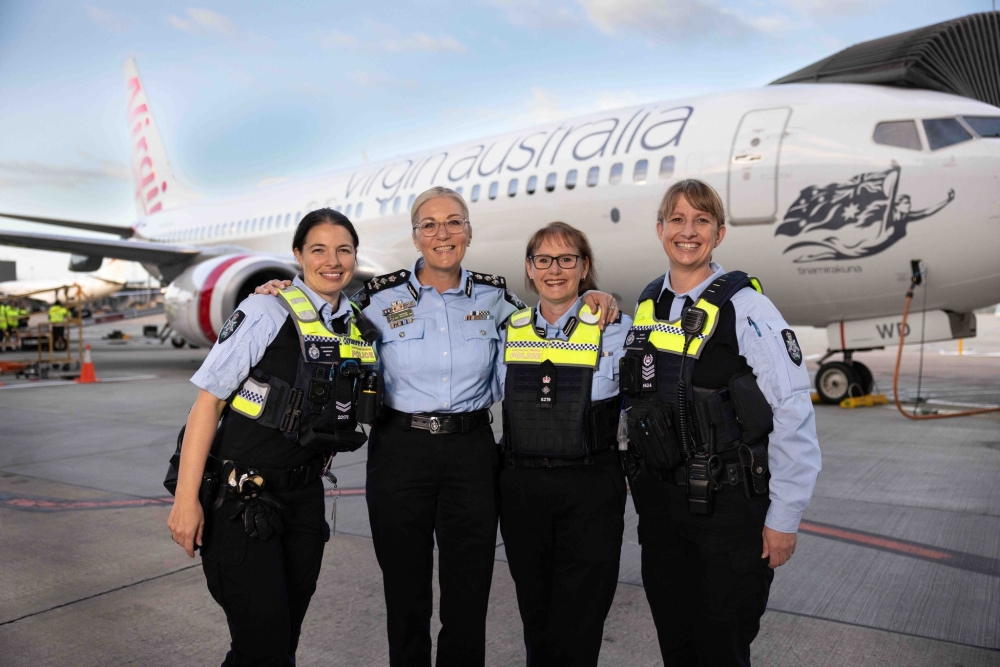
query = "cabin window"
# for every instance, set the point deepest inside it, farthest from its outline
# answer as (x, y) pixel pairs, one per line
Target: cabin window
(593, 174)
(357, 211)
(494, 187)
(550, 182)
(460, 190)
(571, 179)
(616, 174)
(942, 132)
(396, 204)
(298, 216)
(347, 211)
(409, 202)
(512, 187)
(667, 167)
(532, 185)
(383, 206)
(639, 174)
(475, 193)
(988, 127)
(270, 221)
(288, 220)
(899, 133)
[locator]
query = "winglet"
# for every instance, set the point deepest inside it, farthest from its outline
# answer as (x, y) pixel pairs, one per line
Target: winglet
(155, 186)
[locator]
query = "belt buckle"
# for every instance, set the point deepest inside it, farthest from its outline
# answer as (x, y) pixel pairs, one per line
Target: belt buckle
(434, 425)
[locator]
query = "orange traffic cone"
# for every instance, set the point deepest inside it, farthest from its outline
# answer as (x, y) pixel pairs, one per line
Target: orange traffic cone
(87, 372)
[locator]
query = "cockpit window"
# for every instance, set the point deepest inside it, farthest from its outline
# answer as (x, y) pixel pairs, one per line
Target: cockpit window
(988, 127)
(942, 132)
(901, 133)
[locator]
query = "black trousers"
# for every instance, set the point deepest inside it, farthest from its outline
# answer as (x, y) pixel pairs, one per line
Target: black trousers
(421, 486)
(705, 581)
(265, 586)
(562, 530)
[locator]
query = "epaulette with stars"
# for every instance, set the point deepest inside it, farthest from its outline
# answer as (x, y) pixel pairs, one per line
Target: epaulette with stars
(363, 296)
(493, 280)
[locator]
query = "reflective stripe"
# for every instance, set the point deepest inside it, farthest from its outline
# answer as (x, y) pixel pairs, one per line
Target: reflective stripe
(669, 336)
(251, 398)
(525, 346)
(311, 329)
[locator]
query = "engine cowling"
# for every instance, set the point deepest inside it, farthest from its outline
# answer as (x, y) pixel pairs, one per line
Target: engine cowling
(203, 297)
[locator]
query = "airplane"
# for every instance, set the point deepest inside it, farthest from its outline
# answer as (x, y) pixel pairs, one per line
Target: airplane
(107, 280)
(832, 190)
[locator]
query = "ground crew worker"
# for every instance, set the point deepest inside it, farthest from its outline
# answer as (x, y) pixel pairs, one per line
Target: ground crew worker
(432, 459)
(285, 379)
(57, 321)
(718, 404)
(562, 491)
(4, 330)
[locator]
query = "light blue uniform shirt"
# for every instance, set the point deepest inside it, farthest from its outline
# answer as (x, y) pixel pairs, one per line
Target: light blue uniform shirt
(793, 449)
(440, 356)
(605, 383)
(229, 363)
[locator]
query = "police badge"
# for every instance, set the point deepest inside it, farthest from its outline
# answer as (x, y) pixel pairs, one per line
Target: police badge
(313, 352)
(231, 325)
(792, 346)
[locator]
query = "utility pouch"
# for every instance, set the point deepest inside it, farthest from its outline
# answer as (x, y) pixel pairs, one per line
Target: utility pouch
(700, 483)
(330, 440)
(209, 480)
(629, 376)
(651, 435)
(756, 420)
(756, 473)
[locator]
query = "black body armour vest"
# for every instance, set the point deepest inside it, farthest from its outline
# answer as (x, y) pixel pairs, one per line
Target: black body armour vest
(555, 432)
(245, 440)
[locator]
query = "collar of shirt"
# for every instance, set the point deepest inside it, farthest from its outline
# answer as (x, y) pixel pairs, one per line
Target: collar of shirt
(419, 262)
(556, 330)
(696, 291)
(322, 306)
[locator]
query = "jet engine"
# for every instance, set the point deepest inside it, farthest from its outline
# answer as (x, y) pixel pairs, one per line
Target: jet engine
(201, 299)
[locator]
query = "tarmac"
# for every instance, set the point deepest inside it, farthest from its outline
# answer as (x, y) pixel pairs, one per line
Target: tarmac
(898, 559)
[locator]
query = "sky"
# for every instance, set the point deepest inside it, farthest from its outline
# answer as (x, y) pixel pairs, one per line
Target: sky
(248, 92)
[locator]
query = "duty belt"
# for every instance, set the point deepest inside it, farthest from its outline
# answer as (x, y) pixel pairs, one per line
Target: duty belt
(275, 479)
(436, 423)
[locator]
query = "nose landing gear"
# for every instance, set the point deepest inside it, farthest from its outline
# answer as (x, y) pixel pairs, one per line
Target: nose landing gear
(837, 380)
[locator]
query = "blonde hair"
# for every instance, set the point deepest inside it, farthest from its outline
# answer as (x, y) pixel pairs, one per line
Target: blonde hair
(699, 194)
(434, 193)
(571, 236)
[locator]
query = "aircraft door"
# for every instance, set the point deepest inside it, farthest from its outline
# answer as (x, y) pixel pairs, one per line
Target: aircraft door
(753, 166)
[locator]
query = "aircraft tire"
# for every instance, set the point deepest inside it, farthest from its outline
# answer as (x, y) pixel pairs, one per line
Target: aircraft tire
(866, 377)
(836, 381)
(177, 342)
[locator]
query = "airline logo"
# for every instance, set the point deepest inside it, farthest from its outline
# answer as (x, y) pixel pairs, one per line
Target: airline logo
(148, 192)
(852, 220)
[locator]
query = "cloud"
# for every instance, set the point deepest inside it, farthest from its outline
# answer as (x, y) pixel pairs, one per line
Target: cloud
(537, 13)
(109, 20)
(835, 8)
(28, 173)
(369, 80)
(207, 23)
(660, 20)
(384, 38)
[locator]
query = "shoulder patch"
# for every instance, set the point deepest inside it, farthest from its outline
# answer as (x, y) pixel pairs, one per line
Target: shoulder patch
(488, 279)
(512, 299)
(231, 325)
(394, 279)
(792, 346)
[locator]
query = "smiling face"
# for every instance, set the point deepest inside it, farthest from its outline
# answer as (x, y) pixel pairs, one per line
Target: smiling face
(555, 285)
(327, 259)
(689, 236)
(445, 250)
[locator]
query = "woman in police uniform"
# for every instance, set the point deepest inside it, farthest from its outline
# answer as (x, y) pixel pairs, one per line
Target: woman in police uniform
(562, 489)
(271, 378)
(717, 396)
(432, 458)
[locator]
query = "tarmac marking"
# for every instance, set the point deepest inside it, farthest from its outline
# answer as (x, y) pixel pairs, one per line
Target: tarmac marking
(66, 383)
(39, 504)
(950, 558)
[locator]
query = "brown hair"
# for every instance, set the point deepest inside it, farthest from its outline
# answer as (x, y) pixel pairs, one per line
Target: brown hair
(571, 236)
(699, 194)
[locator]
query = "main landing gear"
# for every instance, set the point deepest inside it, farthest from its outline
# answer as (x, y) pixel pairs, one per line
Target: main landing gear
(837, 380)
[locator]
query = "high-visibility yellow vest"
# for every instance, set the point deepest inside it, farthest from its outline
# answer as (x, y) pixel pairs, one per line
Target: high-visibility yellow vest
(315, 341)
(3, 316)
(57, 314)
(669, 336)
(525, 346)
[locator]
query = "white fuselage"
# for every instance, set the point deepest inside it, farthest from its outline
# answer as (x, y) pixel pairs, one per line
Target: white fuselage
(762, 149)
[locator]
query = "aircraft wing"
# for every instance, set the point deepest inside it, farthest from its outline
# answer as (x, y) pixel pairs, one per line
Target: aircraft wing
(123, 232)
(160, 254)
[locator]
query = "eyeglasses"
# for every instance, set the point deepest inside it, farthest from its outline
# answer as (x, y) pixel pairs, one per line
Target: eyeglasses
(431, 227)
(543, 262)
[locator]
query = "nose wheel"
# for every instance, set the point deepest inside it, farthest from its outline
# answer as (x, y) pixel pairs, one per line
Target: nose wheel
(837, 380)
